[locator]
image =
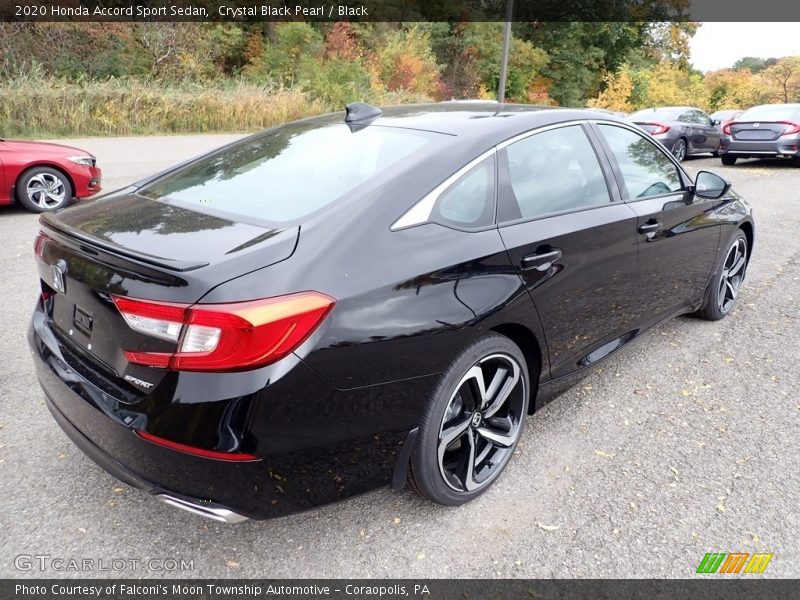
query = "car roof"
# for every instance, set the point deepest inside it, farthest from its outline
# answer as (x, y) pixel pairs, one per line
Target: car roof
(789, 105)
(654, 108)
(484, 121)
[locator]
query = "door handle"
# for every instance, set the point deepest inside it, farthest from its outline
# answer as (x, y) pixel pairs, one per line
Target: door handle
(541, 261)
(651, 226)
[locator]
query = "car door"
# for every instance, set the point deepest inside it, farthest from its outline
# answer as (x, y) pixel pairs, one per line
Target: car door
(4, 191)
(677, 234)
(572, 243)
(692, 130)
(711, 132)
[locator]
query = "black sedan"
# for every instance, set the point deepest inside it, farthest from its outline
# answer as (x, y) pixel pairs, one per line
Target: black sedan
(358, 300)
(683, 130)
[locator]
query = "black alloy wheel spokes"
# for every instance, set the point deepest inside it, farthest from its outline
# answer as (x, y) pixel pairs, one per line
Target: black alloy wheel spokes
(481, 423)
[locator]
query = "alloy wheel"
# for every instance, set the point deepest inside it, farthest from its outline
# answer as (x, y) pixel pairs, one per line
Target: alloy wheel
(482, 423)
(679, 150)
(732, 275)
(46, 190)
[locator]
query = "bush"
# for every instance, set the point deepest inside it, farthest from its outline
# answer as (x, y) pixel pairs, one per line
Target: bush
(51, 108)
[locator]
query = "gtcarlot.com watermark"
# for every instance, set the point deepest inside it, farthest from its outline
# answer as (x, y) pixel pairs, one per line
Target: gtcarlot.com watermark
(49, 562)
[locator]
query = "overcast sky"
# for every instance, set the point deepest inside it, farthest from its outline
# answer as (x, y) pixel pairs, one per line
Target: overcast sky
(719, 45)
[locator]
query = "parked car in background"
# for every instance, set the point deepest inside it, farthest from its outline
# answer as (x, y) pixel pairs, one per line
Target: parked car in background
(683, 130)
(44, 177)
(720, 117)
(345, 302)
(766, 131)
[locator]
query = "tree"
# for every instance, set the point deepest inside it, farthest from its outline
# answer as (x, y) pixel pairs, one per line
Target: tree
(618, 92)
(785, 76)
(728, 88)
(405, 62)
(753, 64)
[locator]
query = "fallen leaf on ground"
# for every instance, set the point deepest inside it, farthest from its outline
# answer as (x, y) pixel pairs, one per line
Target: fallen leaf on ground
(546, 527)
(603, 454)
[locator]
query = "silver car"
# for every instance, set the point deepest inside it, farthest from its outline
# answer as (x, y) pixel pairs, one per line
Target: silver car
(766, 131)
(683, 130)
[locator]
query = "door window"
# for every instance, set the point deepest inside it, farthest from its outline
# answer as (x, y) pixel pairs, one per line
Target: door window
(701, 118)
(646, 168)
(553, 171)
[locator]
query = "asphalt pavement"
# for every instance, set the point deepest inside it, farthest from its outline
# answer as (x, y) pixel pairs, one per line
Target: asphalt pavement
(685, 443)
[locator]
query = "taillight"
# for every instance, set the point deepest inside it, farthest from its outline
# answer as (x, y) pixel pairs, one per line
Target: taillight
(726, 127)
(793, 127)
(658, 128)
(38, 244)
(225, 337)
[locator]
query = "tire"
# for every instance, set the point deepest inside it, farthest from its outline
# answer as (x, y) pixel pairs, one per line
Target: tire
(729, 274)
(43, 189)
(469, 462)
(679, 149)
(728, 161)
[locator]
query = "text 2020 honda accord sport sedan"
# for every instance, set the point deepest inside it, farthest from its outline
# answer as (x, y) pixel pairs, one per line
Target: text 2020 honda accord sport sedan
(357, 300)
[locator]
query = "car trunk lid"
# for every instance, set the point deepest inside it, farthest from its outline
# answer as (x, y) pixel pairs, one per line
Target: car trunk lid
(758, 131)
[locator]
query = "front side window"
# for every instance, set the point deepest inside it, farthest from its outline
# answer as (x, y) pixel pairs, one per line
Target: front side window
(553, 171)
(701, 117)
(646, 168)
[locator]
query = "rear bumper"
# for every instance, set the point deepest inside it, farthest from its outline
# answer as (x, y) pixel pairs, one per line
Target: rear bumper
(315, 444)
(108, 463)
(783, 147)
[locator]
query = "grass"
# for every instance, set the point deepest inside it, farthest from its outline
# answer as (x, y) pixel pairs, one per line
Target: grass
(53, 108)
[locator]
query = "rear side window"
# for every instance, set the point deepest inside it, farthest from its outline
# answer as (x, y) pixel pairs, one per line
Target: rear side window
(469, 202)
(552, 171)
(289, 173)
(645, 167)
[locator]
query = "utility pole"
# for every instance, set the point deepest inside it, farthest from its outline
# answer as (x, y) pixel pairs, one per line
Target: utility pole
(501, 92)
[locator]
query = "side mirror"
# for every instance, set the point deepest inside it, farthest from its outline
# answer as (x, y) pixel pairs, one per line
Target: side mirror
(709, 185)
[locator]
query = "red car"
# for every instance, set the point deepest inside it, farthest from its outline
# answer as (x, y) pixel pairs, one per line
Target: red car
(44, 177)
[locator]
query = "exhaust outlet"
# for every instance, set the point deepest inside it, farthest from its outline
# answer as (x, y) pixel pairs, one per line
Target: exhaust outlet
(210, 511)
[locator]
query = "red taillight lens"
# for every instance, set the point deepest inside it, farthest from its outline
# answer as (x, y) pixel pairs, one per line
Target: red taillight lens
(38, 244)
(225, 337)
(216, 455)
(793, 127)
(658, 128)
(726, 127)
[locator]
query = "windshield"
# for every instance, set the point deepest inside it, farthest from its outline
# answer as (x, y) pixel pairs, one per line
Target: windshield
(771, 112)
(658, 114)
(288, 173)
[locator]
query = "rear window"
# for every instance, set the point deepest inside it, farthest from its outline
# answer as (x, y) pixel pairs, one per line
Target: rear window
(289, 173)
(660, 114)
(770, 112)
